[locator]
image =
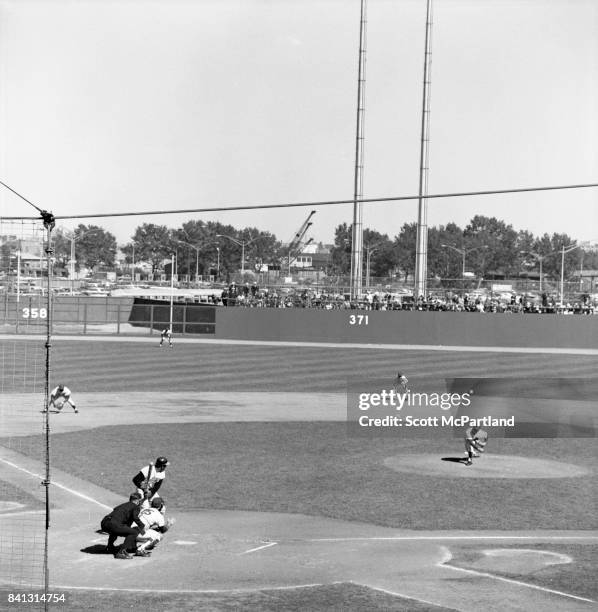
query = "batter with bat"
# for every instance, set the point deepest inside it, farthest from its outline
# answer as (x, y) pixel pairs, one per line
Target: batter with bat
(149, 479)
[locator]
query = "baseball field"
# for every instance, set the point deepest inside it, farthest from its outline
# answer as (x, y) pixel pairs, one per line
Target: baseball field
(278, 506)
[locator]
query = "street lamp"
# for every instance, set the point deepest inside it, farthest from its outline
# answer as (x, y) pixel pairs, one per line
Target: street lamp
(242, 244)
(539, 258)
(565, 249)
(73, 238)
(197, 249)
(133, 264)
(463, 253)
(368, 249)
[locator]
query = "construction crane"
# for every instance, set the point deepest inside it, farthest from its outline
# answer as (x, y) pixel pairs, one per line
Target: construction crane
(295, 242)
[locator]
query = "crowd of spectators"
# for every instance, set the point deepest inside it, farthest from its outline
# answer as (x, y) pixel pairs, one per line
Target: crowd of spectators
(252, 296)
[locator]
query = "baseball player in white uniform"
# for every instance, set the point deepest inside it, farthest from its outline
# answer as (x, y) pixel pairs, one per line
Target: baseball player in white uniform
(400, 383)
(149, 479)
(60, 396)
(476, 439)
(155, 525)
(166, 334)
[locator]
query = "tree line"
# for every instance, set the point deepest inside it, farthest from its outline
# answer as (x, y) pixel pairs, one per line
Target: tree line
(491, 247)
(199, 247)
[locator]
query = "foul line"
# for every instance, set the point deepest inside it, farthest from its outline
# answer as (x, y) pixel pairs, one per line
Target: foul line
(259, 548)
(381, 590)
(196, 591)
(442, 537)
(511, 581)
(56, 484)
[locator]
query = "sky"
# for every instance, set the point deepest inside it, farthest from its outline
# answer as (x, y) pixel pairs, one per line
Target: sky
(133, 106)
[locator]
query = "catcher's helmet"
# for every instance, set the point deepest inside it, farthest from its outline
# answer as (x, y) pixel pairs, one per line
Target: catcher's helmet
(135, 497)
(161, 462)
(157, 502)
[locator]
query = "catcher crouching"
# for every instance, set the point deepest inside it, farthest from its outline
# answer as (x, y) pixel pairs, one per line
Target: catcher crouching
(155, 525)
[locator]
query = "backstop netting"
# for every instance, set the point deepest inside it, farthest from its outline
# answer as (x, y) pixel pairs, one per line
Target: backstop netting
(23, 456)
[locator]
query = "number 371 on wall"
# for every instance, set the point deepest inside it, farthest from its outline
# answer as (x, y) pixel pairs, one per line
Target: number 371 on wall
(358, 319)
(35, 313)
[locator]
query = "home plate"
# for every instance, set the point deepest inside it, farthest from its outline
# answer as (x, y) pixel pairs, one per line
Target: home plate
(184, 542)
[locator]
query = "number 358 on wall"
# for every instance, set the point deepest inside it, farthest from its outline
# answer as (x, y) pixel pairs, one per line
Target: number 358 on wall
(35, 313)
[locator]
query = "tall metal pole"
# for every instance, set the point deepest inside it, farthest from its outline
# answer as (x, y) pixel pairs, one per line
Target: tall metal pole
(218, 264)
(421, 254)
(72, 264)
(171, 288)
(563, 277)
(49, 224)
(357, 229)
(463, 274)
(18, 275)
(242, 258)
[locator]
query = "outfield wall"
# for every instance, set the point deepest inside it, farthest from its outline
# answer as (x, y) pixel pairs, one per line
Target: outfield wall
(408, 327)
(112, 315)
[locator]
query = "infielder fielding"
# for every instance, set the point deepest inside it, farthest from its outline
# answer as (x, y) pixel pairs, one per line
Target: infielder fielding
(476, 439)
(60, 396)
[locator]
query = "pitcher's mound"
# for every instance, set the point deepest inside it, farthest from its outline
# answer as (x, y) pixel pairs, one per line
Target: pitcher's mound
(518, 561)
(488, 466)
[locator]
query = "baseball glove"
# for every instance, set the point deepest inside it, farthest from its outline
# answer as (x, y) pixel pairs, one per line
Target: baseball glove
(169, 523)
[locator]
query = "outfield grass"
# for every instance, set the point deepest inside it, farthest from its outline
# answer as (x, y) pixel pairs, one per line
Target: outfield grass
(110, 366)
(317, 469)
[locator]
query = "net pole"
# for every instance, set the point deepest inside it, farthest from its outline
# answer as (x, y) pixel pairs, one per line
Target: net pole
(49, 223)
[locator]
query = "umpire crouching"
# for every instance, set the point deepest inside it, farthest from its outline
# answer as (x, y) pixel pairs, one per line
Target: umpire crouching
(119, 523)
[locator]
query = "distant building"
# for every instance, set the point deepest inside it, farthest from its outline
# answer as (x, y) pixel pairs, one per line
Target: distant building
(28, 251)
(586, 278)
(313, 257)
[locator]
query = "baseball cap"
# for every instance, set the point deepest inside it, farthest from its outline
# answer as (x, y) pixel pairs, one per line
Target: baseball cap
(160, 461)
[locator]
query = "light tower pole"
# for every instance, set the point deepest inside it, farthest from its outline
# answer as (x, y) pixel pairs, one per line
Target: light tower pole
(357, 229)
(421, 251)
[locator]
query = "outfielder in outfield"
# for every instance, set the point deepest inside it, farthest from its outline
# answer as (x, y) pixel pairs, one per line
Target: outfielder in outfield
(476, 439)
(155, 526)
(166, 334)
(60, 396)
(149, 479)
